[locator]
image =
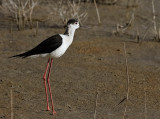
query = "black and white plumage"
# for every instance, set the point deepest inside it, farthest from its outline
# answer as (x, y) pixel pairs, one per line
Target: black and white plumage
(56, 45)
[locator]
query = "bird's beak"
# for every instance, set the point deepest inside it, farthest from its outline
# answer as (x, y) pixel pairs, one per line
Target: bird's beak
(80, 25)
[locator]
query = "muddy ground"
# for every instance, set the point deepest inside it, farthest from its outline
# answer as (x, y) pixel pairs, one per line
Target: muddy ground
(94, 61)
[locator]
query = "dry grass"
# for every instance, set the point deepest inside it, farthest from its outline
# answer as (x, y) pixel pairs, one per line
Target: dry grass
(156, 30)
(99, 20)
(20, 11)
(123, 28)
(153, 25)
(152, 22)
(69, 9)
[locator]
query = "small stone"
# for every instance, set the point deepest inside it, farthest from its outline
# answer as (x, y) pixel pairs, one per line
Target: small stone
(118, 50)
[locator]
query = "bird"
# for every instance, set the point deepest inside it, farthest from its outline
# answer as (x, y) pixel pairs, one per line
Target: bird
(54, 47)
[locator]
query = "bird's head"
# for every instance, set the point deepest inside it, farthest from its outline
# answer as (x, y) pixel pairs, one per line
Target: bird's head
(73, 24)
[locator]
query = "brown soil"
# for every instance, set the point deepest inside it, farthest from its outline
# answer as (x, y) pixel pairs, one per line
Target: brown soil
(94, 61)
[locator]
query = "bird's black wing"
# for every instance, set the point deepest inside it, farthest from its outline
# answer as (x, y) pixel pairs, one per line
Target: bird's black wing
(47, 46)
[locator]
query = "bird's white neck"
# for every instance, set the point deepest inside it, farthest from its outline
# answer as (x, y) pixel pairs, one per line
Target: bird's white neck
(70, 32)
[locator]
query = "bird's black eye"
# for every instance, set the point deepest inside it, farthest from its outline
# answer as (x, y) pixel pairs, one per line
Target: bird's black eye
(75, 22)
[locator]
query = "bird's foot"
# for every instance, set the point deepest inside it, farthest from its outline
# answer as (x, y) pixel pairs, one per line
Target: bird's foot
(54, 112)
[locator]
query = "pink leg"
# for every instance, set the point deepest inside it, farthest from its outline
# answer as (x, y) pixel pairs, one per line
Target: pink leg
(49, 85)
(44, 78)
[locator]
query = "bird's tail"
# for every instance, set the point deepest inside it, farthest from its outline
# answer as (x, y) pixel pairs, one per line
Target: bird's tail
(23, 55)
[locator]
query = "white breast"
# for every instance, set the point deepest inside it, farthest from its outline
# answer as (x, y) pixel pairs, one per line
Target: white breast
(66, 42)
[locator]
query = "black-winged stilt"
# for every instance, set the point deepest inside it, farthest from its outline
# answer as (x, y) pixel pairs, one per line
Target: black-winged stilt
(54, 46)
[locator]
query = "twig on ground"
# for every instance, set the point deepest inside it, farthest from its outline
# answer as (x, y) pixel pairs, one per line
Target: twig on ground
(11, 103)
(95, 109)
(145, 100)
(128, 81)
